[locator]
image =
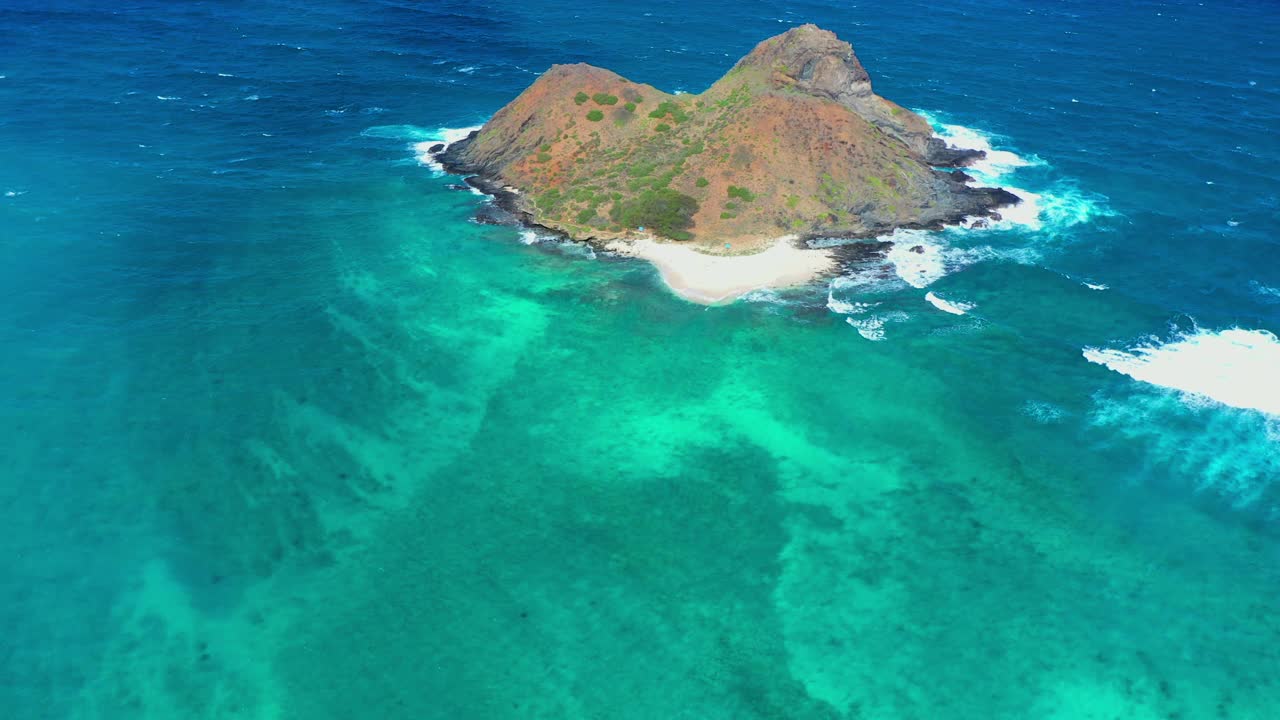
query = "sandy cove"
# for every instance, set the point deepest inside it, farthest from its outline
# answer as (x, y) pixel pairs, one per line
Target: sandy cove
(718, 279)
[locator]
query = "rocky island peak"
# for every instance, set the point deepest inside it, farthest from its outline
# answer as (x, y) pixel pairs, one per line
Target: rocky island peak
(792, 141)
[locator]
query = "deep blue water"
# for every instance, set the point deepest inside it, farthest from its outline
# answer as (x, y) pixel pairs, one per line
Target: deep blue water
(286, 435)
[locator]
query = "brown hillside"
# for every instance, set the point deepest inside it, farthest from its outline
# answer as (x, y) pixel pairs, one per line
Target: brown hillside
(792, 140)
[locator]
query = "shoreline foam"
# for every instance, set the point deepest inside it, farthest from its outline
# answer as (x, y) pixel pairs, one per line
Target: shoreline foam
(720, 279)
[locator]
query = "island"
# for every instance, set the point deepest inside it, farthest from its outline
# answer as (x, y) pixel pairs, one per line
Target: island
(723, 190)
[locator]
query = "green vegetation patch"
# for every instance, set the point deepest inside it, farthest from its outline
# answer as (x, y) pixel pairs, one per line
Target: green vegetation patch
(665, 211)
(605, 99)
(581, 97)
(595, 116)
(676, 112)
(542, 157)
(662, 127)
(548, 200)
(702, 182)
(630, 107)
(741, 193)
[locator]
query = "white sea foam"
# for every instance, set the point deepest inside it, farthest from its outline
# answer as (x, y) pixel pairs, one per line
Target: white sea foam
(1235, 367)
(863, 316)
(1060, 206)
(421, 140)
(921, 257)
(871, 326)
(917, 257)
(1223, 451)
(168, 97)
(948, 306)
(843, 291)
(997, 162)
(443, 136)
(1095, 286)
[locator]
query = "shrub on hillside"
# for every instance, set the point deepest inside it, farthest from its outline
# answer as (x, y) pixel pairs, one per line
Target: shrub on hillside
(665, 212)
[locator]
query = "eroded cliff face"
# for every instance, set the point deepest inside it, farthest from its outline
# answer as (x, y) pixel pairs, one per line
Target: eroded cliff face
(792, 140)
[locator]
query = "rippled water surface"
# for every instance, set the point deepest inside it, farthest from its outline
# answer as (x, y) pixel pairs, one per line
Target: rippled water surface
(285, 435)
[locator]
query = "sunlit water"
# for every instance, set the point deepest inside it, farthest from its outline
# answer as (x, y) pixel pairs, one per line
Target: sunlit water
(287, 436)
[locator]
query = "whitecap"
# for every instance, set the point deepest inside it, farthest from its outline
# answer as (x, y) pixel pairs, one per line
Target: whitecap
(225, 75)
(168, 97)
(1095, 286)
(1236, 367)
(1268, 293)
(871, 327)
(948, 306)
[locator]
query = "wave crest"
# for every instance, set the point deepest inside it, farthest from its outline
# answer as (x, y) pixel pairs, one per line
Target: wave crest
(1235, 367)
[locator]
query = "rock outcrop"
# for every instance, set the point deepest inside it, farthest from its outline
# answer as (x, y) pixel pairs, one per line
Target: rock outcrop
(792, 140)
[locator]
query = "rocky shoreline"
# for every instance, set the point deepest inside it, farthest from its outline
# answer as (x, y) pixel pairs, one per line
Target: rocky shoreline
(505, 209)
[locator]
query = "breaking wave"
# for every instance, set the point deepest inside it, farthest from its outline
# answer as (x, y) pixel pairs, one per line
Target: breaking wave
(1052, 209)
(1234, 367)
(421, 140)
(948, 306)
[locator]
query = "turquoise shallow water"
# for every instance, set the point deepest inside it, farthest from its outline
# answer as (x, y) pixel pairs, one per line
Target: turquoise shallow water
(287, 436)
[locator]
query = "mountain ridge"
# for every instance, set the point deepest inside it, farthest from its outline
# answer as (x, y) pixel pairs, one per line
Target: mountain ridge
(792, 140)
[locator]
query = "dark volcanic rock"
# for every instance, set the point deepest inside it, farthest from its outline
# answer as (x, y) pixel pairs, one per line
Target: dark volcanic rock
(939, 154)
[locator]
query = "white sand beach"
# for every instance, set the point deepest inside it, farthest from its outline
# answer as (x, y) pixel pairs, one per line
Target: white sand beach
(718, 279)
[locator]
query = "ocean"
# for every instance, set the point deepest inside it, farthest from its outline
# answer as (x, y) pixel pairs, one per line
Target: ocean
(287, 435)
